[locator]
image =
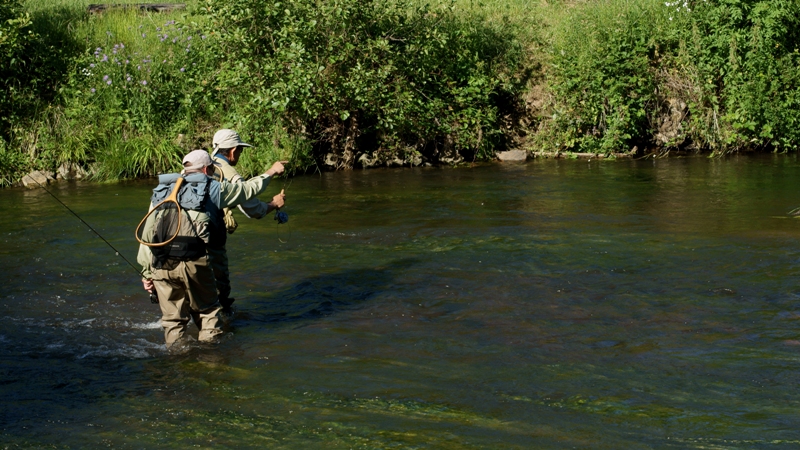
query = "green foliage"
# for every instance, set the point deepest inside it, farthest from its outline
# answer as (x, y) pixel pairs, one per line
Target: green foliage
(128, 97)
(146, 82)
(380, 73)
(124, 157)
(347, 81)
(12, 165)
(603, 74)
(16, 38)
(746, 58)
(276, 144)
(620, 67)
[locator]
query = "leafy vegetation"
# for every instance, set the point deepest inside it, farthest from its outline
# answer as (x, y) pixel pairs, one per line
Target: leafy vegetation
(344, 83)
(717, 75)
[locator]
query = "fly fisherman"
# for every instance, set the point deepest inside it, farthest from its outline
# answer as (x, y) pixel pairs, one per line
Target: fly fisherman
(228, 148)
(180, 273)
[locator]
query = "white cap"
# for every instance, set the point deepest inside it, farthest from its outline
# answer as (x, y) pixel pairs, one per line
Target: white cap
(226, 138)
(196, 160)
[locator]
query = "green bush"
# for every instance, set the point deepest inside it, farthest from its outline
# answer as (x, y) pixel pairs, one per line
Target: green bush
(603, 74)
(355, 75)
(149, 80)
(16, 38)
(131, 97)
(745, 59)
(620, 68)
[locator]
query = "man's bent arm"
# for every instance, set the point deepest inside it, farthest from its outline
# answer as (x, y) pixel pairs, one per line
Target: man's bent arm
(233, 194)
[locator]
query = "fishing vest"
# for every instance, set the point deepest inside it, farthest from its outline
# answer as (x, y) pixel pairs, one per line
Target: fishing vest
(201, 219)
(227, 214)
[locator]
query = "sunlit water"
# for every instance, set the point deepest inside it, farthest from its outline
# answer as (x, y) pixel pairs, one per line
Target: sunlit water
(556, 304)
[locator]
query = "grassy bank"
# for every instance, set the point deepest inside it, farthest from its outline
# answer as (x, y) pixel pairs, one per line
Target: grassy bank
(345, 83)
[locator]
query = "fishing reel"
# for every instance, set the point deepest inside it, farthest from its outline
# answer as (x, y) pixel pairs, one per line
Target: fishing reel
(281, 217)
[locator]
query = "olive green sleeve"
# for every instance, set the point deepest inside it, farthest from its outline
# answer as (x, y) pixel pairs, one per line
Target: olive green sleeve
(145, 256)
(233, 194)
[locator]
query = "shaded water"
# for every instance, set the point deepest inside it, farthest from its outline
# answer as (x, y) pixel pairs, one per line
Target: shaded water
(556, 304)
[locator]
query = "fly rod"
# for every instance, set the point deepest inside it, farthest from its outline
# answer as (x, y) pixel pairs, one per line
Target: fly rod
(153, 296)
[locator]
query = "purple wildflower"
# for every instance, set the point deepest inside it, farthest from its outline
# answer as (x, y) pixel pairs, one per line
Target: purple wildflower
(129, 78)
(183, 69)
(127, 61)
(203, 36)
(93, 90)
(175, 40)
(138, 67)
(108, 82)
(105, 58)
(144, 35)
(144, 82)
(91, 65)
(105, 77)
(189, 38)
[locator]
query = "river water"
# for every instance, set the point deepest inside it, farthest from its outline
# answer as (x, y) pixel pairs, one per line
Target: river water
(553, 304)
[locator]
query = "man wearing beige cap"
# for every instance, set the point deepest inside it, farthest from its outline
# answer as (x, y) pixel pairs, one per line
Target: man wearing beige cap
(181, 274)
(227, 148)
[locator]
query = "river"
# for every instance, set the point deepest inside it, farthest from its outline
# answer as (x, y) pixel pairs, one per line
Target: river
(553, 304)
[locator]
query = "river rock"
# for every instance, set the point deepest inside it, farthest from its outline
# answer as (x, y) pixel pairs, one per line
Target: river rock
(37, 178)
(396, 161)
(71, 171)
(331, 160)
(512, 155)
(367, 160)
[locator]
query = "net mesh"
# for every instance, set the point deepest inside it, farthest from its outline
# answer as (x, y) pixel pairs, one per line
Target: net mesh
(159, 231)
(160, 226)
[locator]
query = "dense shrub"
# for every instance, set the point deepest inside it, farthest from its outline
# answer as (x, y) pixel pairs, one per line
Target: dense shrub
(723, 74)
(603, 75)
(16, 38)
(130, 98)
(745, 54)
(355, 76)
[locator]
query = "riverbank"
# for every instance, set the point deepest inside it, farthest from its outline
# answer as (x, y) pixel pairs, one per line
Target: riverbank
(350, 84)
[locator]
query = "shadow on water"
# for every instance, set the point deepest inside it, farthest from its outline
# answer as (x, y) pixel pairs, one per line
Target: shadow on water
(323, 295)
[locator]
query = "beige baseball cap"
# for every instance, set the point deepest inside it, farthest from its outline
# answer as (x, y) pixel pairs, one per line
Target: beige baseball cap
(226, 138)
(196, 160)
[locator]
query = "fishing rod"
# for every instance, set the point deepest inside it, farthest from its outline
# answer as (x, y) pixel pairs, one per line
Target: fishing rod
(153, 296)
